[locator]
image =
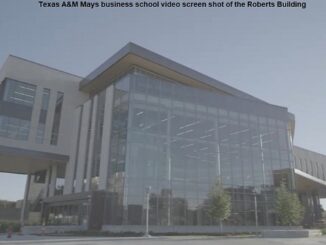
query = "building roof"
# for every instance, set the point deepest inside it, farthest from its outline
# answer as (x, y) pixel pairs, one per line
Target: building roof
(42, 65)
(134, 55)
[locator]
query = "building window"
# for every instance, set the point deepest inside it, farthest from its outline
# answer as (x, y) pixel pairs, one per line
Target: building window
(43, 115)
(39, 177)
(19, 93)
(14, 128)
(16, 104)
(60, 181)
(56, 119)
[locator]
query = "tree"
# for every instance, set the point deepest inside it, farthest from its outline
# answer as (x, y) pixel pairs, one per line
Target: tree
(288, 207)
(219, 204)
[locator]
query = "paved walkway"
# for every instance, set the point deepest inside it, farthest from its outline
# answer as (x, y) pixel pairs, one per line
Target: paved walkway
(180, 240)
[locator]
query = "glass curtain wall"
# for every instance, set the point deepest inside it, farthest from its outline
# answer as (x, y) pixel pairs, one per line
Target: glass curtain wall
(180, 141)
(16, 105)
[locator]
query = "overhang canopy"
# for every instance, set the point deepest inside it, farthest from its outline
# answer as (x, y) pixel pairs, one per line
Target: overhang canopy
(308, 183)
(21, 161)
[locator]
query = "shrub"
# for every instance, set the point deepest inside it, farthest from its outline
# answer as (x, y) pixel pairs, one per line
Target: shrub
(288, 207)
(5, 225)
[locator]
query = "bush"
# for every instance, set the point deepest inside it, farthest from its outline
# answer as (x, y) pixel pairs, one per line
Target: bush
(323, 231)
(105, 233)
(288, 207)
(5, 225)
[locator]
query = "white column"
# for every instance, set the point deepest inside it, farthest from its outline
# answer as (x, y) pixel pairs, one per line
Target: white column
(25, 204)
(106, 137)
(35, 114)
(81, 160)
(91, 145)
(168, 154)
(70, 168)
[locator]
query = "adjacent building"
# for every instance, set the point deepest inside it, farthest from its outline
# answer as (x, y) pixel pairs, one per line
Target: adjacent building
(92, 146)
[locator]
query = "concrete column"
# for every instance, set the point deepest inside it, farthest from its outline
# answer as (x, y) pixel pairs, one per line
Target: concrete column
(47, 182)
(25, 201)
(81, 158)
(49, 117)
(91, 145)
(106, 138)
(53, 181)
(70, 168)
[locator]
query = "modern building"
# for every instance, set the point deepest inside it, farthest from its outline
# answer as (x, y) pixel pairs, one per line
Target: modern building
(92, 146)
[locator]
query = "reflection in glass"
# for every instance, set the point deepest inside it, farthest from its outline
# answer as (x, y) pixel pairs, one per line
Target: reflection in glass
(180, 141)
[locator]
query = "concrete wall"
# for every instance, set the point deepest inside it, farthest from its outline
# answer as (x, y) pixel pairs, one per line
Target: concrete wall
(38, 229)
(194, 229)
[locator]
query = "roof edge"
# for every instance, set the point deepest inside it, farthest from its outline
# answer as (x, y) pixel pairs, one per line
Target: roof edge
(132, 48)
(39, 64)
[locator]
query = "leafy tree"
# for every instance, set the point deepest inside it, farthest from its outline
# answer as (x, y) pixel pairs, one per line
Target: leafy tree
(288, 207)
(219, 203)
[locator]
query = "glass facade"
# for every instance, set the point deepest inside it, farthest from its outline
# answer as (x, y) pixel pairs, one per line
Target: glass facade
(16, 105)
(181, 140)
(60, 180)
(70, 214)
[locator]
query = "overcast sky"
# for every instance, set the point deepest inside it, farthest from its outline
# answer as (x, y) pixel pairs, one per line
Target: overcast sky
(278, 55)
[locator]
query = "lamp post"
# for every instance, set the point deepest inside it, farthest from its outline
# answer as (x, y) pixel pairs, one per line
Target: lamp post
(261, 144)
(255, 203)
(148, 192)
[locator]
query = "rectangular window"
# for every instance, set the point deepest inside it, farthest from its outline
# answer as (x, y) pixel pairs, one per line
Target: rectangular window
(60, 181)
(40, 176)
(19, 93)
(43, 115)
(56, 119)
(16, 104)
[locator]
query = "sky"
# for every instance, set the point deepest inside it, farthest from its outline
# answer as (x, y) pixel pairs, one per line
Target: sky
(275, 54)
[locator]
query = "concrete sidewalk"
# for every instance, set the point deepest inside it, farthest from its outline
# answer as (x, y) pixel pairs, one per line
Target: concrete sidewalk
(164, 240)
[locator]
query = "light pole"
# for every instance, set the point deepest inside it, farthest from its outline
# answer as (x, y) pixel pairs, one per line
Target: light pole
(255, 203)
(148, 192)
(261, 144)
